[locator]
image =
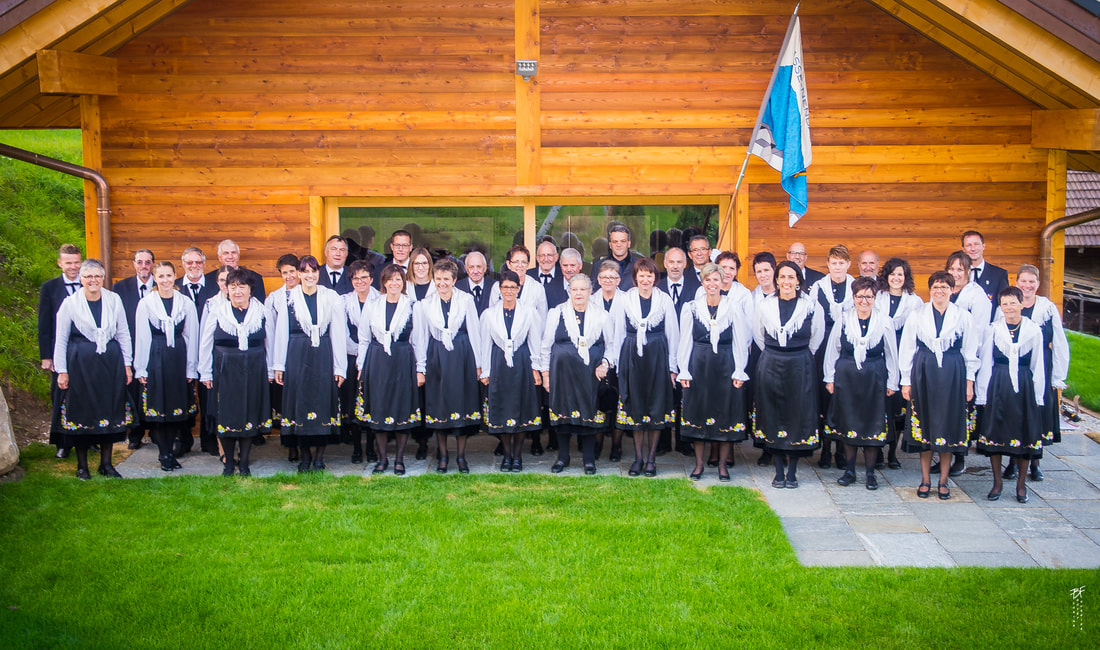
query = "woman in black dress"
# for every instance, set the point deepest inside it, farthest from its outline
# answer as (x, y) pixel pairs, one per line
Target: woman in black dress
(309, 361)
(788, 328)
(91, 356)
(646, 341)
(362, 299)
(712, 357)
(608, 296)
(834, 293)
(763, 267)
(389, 399)
(1043, 313)
(511, 336)
(1011, 385)
(573, 361)
(897, 298)
(861, 361)
(287, 266)
(166, 354)
(234, 350)
(449, 355)
(938, 360)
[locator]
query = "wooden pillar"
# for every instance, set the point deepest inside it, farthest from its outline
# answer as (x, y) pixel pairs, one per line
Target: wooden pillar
(528, 103)
(319, 226)
(1056, 209)
(529, 228)
(91, 146)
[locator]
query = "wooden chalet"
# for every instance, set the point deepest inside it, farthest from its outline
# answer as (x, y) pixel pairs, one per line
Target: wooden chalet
(259, 120)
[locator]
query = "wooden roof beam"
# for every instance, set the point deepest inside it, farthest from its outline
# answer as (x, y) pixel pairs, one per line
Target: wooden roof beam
(1073, 130)
(46, 27)
(71, 73)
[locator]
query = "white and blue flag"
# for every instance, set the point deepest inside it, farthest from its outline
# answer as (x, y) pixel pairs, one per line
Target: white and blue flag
(782, 134)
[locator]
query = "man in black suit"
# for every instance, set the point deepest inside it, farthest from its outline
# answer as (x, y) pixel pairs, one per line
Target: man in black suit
(796, 253)
(679, 285)
(618, 242)
(334, 274)
(475, 283)
(192, 284)
(229, 254)
(52, 293)
(401, 245)
(991, 278)
(698, 250)
(131, 290)
(547, 273)
(571, 263)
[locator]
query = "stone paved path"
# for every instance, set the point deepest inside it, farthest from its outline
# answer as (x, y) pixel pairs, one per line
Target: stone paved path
(830, 525)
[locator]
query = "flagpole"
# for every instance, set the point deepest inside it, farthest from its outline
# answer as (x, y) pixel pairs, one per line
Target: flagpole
(764, 103)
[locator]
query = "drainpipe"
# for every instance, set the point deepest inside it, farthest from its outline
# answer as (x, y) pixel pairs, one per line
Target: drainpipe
(1046, 257)
(103, 197)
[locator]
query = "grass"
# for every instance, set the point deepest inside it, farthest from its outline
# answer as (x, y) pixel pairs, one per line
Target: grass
(468, 561)
(39, 210)
(1084, 369)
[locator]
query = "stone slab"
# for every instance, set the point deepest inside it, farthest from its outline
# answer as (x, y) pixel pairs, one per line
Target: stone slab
(821, 534)
(1065, 485)
(907, 523)
(1023, 523)
(1075, 444)
(906, 549)
(960, 536)
(835, 558)
(1083, 514)
(1017, 558)
(1092, 533)
(1074, 552)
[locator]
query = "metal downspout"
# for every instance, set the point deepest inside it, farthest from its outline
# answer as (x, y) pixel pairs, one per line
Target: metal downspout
(1046, 256)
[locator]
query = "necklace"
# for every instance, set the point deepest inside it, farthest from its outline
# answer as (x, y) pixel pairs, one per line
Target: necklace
(1012, 330)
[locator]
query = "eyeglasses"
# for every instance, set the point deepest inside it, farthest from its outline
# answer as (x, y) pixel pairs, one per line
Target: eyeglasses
(862, 298)
(797, 253)
(421, 263)
(361, 278)
(608, 277)
(400, 245)
(93, 277)
(509, 287)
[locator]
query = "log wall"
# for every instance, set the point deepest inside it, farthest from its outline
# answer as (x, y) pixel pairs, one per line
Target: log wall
(232, 115)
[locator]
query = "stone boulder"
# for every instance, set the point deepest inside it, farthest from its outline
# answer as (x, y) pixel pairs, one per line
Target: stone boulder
(9, 451)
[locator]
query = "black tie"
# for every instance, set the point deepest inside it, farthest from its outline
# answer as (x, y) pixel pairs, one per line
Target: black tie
(477, 294)
(675, 293)
(974, 274)
(71, 287)
(546, 278)
(335, 277)
(195, 291)
(142, 289)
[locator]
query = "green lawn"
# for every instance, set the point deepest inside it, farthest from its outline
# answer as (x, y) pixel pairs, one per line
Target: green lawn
(1084, 369)
(458, 561)
(39, 210)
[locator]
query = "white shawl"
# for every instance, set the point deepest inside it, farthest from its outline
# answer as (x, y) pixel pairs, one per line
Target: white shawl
(593, 328)
(768, 317)
(253, 320)
(836, 309)
(1002, 340)
(85, 324)
(716, 325)
(632, 306)
(447, 325)
(498, 331)
(301, 312)
(401, 317)
(951, 330)
(859, 342)
(166, 322)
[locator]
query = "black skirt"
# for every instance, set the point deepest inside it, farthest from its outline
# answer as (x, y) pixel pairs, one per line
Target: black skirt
(311, 401)
(712, 408)
(388, 398)
(1012, 423)
(645, 386)
(938, 418)
(574, 389)
(786, 401)
(451, 397)
(512, 399)
(240, 403)
(857, 411)
(96, 408)
(167, 395)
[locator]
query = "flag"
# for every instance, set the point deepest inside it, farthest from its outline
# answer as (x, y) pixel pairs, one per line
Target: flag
(782, 134)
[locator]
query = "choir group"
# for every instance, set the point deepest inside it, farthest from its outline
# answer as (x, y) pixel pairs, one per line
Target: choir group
(383, 349)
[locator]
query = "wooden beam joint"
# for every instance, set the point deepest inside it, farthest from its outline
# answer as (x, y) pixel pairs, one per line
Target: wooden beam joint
(1071, 130)
(73, 73)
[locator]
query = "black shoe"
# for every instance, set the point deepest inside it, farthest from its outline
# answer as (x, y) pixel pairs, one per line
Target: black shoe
(590, 469)
(517, 465)
(134, 445)
(1010, 470)
(698, 474)
(825, 462)
(764, 460)
(165, 464)
(924, 490)
(499, 451)
(558, 466)
(847, 478)
(463, 468)
(635, 468)
(779, 483)
(712, 462)
(725, 478)
(536, 447)
(293, 456)
(259, 441)
(303, 468)
(175, 463)
(506, 465)
(616, 453)
(790, 484)
(63, 452)
(421, 451)
(893, 463)
(356, 457)
(441, 466)
(957, 467)
(1036, 473)
(685, 449)
(993, 495)
(319, 466)
(380, 466)
(244, 470)
(94, 449)
(109, 472)
(872, 482)
(1022, 498)
(372, 456)
(650, 470)
(944, 496)
(730, 462)
(398, 468)
(84, 474)
(838, 459)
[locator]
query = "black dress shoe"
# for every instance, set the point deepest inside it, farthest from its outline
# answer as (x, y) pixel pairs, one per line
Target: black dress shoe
(872, 482)
(506, 465)
(319, 466)
(381, 466)
(134, 445)
(536, 447)
(421, 450)
(517, 465)
(847, 478)
(590, 469)
(779, 483)
(356, 458)
(730, 462)
(372, 456)
(441, 466)
(712, 462)
(165, 464)
(825, 462)
(893, 463)
(616, 453)
(635, 468)
(650, 470)
(1036, 473)
(398, 468)
(558, 466)
(764, 460)
(725, 478)
(175, 463)
(944, 496)
(698, 474)
(790, 484)
(838, 459)
(993, 495)
(1022, 498)
(244, 470)
(463, 468)
(63, 452)
(1010, 470)
(957, 467)
(84, 474)
(109, 472)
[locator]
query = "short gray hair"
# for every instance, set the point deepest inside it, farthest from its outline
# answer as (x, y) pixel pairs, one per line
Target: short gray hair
(580, 277)
(573, 254)
(192, 249)
(92, 263)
